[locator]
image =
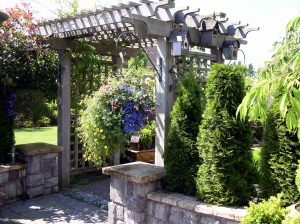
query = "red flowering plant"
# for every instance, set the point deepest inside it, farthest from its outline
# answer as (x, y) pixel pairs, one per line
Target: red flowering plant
(18, 30)
(25, 62)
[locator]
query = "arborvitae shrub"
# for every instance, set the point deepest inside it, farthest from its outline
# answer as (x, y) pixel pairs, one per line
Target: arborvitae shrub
(224, 143)
(181, 157)
(280, 155)
(6, 125)
(298, 177)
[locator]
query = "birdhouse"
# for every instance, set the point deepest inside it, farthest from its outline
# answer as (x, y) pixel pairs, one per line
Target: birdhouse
(230, 50)
(180, 42)
(209, 33)
(135, 142)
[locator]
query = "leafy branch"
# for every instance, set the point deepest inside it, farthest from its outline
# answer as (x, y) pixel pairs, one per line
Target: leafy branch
(283, 71)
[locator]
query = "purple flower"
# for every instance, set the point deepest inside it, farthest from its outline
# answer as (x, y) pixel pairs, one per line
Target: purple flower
(9, 104)
(133, 118)
(126, 89)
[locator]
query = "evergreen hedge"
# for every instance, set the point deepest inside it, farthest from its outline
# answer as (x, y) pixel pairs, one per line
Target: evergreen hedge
(181, 157)
(224, 143)
(280, 155)
(6, 125)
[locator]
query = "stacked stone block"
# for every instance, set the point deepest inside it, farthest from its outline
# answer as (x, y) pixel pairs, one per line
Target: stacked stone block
(129, 201)
(130, 184)
(12, 180)
(42, 168)
(181, 209)
(136, 198)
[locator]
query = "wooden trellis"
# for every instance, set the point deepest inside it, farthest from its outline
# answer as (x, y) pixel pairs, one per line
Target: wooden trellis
(141, 24)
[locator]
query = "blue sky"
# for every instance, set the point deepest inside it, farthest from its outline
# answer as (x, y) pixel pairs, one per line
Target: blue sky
(270, 15)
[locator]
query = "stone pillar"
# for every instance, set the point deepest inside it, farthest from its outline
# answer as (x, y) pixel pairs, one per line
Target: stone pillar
(12, 178)
(130, 184)
(42, 168)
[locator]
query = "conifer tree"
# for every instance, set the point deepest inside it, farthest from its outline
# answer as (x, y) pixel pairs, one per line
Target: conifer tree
(224, 143)
(181, 157)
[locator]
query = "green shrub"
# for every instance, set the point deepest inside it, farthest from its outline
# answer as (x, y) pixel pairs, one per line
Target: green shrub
(181, 157)
(226, 175)
(43, 122)
(298, 177)
(31, 107)
(280, 155)
(6, 124)
(52, 112)
(148, 135)
(295, 219)
(257, 163)
(266, 212)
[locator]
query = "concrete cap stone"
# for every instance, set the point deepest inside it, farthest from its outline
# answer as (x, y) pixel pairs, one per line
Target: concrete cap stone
(38, 148)
(137, 172)
(194, 205)
(6, 168)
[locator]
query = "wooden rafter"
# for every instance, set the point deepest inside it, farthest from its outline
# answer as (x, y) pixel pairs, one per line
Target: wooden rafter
(158, 18)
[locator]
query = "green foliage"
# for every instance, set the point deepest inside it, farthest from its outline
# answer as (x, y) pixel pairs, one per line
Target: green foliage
(257, 163)
(280, 155)
(25, 63)
(43, 122)
(298, 177)
(226, 175)
(267, 212)
(283, 69)
(181, 157)
(148, 135)
(32, 109)
(112, 114)
(67, 8)
(295, 219)
(6, 127)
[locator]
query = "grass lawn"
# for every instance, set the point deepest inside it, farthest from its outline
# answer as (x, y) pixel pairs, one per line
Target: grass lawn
(32, 135)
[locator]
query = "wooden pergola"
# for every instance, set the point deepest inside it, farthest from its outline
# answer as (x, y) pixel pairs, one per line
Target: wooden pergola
(140, 25)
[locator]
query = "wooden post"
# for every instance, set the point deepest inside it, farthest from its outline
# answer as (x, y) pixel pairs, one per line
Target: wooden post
(117, 64)
(164, 97)
(64, 126)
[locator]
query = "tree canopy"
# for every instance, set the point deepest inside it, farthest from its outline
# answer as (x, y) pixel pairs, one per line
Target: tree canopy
(25, 62)
(283, 69)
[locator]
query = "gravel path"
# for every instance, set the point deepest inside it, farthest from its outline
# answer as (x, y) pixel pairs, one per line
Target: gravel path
(59, 208)
(99, 188)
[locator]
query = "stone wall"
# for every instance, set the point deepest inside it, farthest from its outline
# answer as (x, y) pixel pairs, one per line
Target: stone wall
(129, 201)
(137, 197)
(180, 209)
(42, 168)
(38, 175)
(12, 180)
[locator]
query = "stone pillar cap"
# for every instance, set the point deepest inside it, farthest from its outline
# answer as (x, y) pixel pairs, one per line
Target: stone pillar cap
(137, 172)
(38, 148)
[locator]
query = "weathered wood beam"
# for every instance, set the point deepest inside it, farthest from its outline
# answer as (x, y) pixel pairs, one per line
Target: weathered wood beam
(164, 98)
(64, 126)
(105, 49)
